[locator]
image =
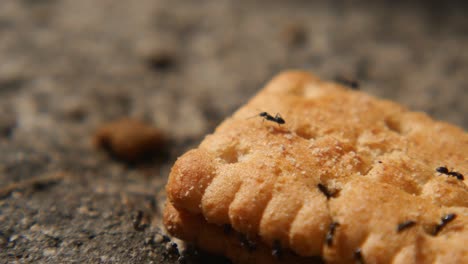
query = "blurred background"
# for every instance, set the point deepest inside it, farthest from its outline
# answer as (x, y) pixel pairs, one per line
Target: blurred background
(67, 67)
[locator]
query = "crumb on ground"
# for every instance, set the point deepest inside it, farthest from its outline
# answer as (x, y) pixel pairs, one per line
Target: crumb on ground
(129, 139)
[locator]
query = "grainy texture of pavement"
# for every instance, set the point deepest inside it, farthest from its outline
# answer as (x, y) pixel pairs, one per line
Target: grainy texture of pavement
(67, 66)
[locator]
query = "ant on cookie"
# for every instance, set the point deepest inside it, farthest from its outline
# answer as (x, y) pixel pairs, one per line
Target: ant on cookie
(277, 118)
(446, 171)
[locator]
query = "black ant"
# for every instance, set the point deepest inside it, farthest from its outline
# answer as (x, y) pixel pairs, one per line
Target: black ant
(325, 190)
(139, 221)
(246, 243)
(446, 171)
(173, 248)
(443, 222)
(358, 256)
(405, 225)
(353, 84)
(277, 250)
(331, 233)
(277, 118)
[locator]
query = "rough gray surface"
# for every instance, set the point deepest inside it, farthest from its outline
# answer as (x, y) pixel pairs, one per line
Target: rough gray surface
(68, 66)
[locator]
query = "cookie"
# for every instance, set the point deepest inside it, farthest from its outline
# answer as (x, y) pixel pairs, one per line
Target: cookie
(223, 240)
(346, 176)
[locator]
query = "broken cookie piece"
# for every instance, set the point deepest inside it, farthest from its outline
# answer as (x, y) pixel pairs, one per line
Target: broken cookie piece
(333, 182)
(129, 139)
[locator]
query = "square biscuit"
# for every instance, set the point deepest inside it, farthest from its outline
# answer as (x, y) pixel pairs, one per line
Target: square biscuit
(348, 177)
